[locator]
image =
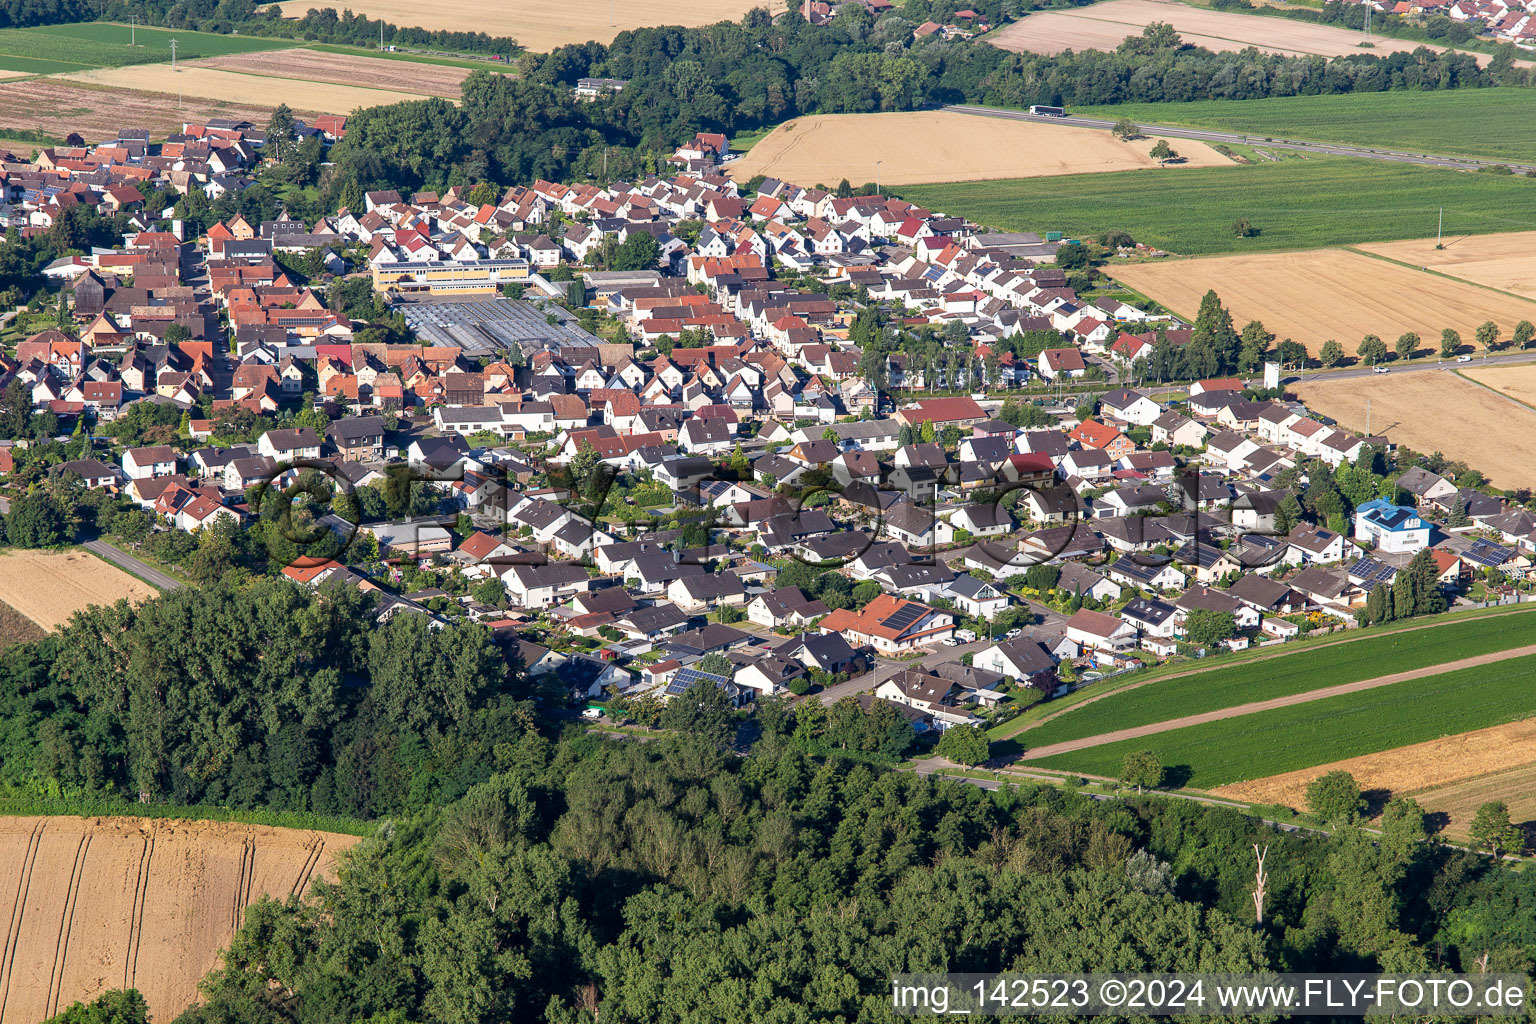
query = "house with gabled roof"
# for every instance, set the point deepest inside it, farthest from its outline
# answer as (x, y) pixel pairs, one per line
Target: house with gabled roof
(891, 624)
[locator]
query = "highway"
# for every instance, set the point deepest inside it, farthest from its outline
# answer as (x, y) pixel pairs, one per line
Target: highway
(1242, 139)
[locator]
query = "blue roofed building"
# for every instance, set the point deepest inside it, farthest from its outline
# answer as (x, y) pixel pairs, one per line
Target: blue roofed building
(1391, 528)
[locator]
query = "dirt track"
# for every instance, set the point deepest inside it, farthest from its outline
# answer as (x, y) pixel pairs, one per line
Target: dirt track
(102, 903)
(1275, 702)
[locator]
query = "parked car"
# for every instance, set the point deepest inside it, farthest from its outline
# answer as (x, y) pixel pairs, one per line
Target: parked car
(950, 641)
(1381, 369)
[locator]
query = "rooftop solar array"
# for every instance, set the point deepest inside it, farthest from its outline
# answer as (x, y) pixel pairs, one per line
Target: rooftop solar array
(904, 616)
(1487, 553)
(685, 677)
(1371, 574)
(486, 326)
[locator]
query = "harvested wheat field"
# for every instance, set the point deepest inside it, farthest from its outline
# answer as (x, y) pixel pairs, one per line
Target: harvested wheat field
(1104, 26)
(1434, 410)
(1518, 382)
(50, 586)
(231, 86)
(344, 69)
(1504, 261)
(57, 108)
(943, 145)
(538, 25)
(1313, 296)
(103, 903)
(1453, 774)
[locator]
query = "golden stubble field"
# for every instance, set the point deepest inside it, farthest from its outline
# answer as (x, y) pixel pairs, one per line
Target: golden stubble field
(231, 86)
(943, 145)
(1518, 382)
(50, 586)
(1435, 410)
(1453, 774)
(1506, 261)
(1311, 297)
(104, 903)
(539, 25)
(1104, 26)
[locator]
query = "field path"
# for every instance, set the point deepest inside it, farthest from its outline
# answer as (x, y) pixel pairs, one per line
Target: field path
(1282, 652)
(1253, 707)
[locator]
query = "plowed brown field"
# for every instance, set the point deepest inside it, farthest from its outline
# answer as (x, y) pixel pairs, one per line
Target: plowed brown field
(345, 69)
(91, 904)
(56, 108)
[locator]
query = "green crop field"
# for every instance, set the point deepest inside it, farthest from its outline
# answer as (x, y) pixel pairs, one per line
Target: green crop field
(1287, 739)
(99, 44)
(1491, 123)
(1199, 692)
(1295, 204)
(37, 66)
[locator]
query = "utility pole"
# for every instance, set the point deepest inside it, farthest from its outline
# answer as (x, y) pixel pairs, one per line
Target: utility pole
(1441, 229)
(133, 30)
(1367, 21)
(173, 53)
(381, 35)
(877, 177)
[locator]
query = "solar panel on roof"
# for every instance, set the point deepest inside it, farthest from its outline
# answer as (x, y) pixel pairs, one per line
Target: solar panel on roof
(904, 616)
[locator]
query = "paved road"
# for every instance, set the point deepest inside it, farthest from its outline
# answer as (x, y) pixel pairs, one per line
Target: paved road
(127, 562)
(1252, 707)
(1243, 139)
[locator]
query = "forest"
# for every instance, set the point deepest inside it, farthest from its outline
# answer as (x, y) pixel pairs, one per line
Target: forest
(671, 882)
(736, 77)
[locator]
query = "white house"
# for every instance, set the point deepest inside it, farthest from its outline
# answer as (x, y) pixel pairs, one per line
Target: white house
(1390, 527)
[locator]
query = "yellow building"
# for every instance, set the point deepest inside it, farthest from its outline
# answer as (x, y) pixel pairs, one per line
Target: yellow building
(463, 277)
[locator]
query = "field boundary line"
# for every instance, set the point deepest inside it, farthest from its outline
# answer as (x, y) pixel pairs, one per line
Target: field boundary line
(1494, 390)
(1420, 268)
(1482, 613)
(136, 917)
(23, 888)
(1274, 703)
(66, 925)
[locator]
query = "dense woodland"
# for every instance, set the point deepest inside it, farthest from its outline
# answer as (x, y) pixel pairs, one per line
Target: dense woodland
(740, 77)
(670, 882)
(527, 870)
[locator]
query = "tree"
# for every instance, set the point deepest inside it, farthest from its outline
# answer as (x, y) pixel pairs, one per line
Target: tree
(1407, 345)
(1162, 152)
(1243, 228)
(964, 744)
(1125, 129)
(716, 664)
(1524, 332)
(1207, 627)
(1291, 353)
(280, 131)
(1042, 576)
(1487, 335)
(1492, 828)
(1287, 515)
(638, 252)
(1142, 769)
(1335, 797)
(1255, 341)
(1450, 341)
(177, 333)
(489, 592)
(37, 520)
(1372, 350)
(1331, 354)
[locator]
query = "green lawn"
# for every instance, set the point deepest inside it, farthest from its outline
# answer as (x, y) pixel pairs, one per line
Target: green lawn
(102, 44)
(37, 66)
(1281, 676)
(1294, 204)
(411, 58)
(1490, 123)
(1287, 739)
